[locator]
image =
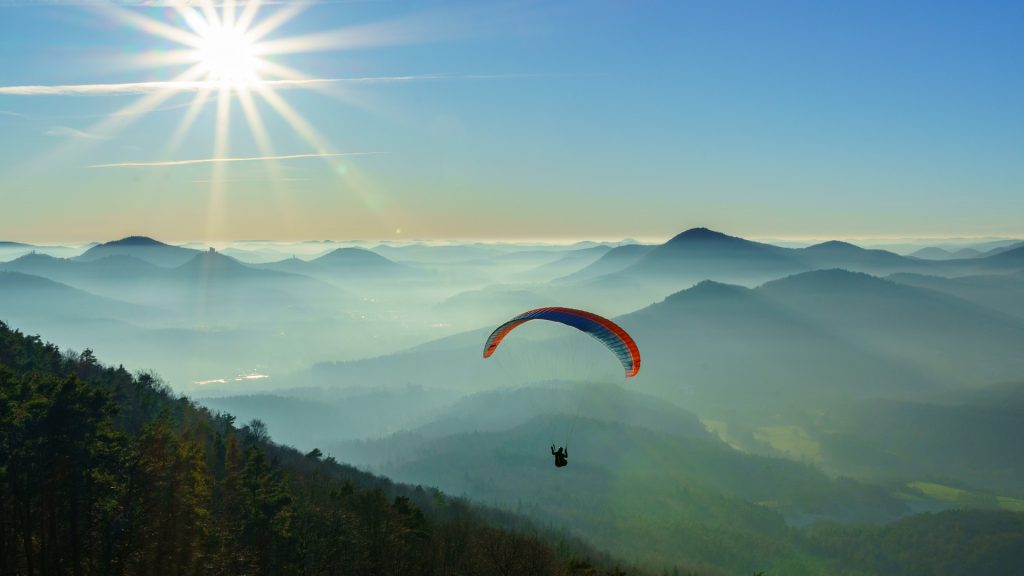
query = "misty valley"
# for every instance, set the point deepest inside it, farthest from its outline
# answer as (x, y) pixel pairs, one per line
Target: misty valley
(511, 288)
(801, 409)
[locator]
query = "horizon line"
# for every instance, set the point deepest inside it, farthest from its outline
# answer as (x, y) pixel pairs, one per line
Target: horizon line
(548, 240)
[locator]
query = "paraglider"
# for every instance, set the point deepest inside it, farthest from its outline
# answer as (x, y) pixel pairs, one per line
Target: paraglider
(561, 456)
(604, 330)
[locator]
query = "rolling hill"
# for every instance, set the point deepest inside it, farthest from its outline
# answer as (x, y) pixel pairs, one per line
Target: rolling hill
(1003, 292)
(631, 458)
(614, 260)
(815, 334)
(143, 248)
(24, 297)
(344, 264)
(699, 254)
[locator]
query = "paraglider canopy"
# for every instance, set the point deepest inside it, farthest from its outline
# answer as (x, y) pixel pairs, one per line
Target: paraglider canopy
(604, 330)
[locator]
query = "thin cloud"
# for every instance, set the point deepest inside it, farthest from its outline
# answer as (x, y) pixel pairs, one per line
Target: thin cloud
(14, 114)
(169, 163)
(134, 88)
(159, 3)
(209, 181)
(68, 132)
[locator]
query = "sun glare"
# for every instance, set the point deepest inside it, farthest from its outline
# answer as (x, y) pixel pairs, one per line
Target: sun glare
(226, 53)
(228, 62)
(228, 56)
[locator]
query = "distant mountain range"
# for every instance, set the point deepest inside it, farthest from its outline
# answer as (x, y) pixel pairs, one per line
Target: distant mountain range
(125, 273)
(344, 264)
(9, 249)
(822, 330)
(935, 253)
(703, 254)
(689, 257)
(818, 333)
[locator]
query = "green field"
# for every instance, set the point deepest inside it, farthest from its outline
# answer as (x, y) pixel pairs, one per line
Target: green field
(793, 441)
(963, 497)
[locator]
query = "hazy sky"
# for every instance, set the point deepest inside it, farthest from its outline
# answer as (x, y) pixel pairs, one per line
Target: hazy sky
(522, 119)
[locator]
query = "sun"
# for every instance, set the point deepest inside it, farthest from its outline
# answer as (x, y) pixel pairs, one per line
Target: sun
(228, 56)
(227, 53)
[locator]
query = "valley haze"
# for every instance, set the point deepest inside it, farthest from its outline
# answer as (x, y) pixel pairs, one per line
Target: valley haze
(462, 288)
(786, 388)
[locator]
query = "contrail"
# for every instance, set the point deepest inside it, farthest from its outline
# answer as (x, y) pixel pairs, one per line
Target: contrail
(219, 160)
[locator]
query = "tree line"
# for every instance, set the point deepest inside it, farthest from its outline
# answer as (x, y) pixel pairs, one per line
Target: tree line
(104, 472)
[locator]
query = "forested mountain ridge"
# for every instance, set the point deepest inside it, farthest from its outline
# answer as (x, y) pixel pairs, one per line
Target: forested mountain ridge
(103, 472)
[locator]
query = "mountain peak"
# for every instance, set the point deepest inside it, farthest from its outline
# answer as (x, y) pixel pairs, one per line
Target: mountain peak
(700, 234)
(932, 253)
(708, 289)
(834, 246)
(1013, 254)
(135, 241)
(144, 247)
(35, 257)
(827, 280)
(354, 255)
(212, 259)
(349, 250)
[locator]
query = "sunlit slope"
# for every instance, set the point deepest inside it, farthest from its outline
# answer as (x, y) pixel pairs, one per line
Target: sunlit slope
(658, 496)
(612, 498)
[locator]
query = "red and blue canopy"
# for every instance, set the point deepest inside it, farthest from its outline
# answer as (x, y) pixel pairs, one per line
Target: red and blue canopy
(607, 332)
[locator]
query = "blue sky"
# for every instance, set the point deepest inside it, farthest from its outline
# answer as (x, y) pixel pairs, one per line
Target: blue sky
(545, 120)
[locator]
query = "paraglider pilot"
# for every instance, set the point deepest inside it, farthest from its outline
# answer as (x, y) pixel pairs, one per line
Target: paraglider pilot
(561, 456)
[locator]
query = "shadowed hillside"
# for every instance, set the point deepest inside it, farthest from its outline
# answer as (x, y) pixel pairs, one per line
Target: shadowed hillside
(102, 472)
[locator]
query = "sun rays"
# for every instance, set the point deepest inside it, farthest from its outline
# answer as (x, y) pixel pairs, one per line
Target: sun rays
(227, 61)
(224, 76)
(224, 55)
